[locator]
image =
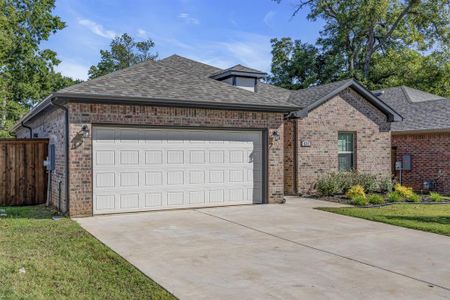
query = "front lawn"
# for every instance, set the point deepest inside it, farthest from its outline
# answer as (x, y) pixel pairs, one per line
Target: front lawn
(432, 218)
(45, 259)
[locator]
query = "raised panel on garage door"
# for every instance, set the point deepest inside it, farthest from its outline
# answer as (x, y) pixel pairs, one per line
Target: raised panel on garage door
(138, 169)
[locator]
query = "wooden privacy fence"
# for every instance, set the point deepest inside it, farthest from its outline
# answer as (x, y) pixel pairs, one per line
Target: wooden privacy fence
(23, 177)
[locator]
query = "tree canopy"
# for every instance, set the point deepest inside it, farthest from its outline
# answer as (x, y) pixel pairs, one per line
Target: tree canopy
(124, 52)
(358, 35)
(27, 71)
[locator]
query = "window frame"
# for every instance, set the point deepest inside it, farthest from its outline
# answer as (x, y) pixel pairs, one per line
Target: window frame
(352, 153)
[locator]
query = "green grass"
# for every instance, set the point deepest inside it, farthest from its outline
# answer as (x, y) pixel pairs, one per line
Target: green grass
(63, 261)
(432, 218)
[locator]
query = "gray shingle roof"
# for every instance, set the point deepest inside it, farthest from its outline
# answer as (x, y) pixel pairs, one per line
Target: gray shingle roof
(162, 82)
(177, 80)
(421, 110)
(204, 70)
(306, 97)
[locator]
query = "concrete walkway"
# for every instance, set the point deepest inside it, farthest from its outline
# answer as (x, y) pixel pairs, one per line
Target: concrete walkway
(288, 251)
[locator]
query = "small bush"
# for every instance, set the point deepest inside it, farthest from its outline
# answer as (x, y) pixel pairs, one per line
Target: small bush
(386, 185)
(328, 186)
(356, 191)
(368, 182)
(394, 197)
(359, 201)
(340, 183)
(414, 198)
(375, 199)
(436, 197)
(404, 191)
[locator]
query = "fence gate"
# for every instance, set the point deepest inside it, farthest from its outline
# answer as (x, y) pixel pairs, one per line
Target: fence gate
(23, 177)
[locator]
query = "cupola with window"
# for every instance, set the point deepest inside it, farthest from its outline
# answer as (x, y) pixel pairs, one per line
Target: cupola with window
(241, 77)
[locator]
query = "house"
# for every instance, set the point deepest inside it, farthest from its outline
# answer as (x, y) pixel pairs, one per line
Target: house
(177, 133)
(422, 141)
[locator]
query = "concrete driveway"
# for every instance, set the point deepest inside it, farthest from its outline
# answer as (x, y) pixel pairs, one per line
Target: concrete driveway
(288, 251)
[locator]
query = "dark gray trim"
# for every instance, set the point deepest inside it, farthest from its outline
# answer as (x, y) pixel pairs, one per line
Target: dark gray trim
(264, 135)
(228, 73)
(392, 115)
(265, 171)
(420, 131)
(86, 98)
(295, 156)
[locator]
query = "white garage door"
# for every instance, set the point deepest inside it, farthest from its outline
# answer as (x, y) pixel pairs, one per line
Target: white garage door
(137, 169)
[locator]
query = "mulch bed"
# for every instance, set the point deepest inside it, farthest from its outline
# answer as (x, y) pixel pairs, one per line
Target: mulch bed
(344, 200)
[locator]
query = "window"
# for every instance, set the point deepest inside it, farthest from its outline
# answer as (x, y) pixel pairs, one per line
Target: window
(346, 151)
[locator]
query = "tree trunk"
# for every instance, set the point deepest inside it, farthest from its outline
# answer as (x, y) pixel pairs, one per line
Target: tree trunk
(369, 53)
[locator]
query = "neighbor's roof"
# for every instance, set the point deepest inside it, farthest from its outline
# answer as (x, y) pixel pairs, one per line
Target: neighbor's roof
(422, 111)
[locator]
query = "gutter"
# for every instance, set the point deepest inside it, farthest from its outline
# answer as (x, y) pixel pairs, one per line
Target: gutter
(27, 127)
(105, 99)
(66, 135)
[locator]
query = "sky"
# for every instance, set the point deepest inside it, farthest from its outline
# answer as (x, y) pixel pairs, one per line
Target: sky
(217, 32)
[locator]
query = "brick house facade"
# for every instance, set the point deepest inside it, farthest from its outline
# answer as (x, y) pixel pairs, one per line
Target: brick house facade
(430, 153)
(346, 112)
(80, 157)
(180, 93)
(424, 136)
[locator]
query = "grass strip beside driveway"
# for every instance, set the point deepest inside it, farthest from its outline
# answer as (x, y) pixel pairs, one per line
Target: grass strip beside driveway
(45, 259)
(433, 218)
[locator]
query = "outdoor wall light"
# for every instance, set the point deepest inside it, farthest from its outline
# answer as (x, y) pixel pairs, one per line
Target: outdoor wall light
(85, 131)
(276, 135)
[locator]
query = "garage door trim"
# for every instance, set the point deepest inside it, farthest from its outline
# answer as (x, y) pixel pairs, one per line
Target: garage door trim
(264, 136)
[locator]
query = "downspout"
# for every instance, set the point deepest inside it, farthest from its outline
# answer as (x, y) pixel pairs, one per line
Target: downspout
(66, 117)
(295, 156)
(27, 127)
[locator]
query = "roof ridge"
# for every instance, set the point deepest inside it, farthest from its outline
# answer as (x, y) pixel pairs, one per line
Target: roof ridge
(192, 60)
(408, 99)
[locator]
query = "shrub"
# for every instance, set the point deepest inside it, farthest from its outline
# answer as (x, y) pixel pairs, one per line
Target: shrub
(375, 199)
(436, 197)
(404, 191)
(359, 201)
(368, 182)
(356, 191)
(386, 185)
(328, 186)
(414, 198)
(340, 183)
(394, 197)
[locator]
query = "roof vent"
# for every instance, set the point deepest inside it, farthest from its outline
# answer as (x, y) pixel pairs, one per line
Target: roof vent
(241, 77)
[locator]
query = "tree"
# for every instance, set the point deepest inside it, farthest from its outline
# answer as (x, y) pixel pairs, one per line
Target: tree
(26, 71)
(124, 52)
(409, 67)
(364, 28)
(297, 65)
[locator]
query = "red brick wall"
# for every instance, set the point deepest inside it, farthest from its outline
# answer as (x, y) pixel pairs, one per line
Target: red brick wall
(430, 157)
(81, 156)
(347, 111)
(50, 124)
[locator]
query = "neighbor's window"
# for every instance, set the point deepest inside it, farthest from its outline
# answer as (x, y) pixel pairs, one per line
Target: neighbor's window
(346, 151)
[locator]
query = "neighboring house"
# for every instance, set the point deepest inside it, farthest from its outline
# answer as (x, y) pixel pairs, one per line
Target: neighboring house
(177, 133)
(423, 138)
